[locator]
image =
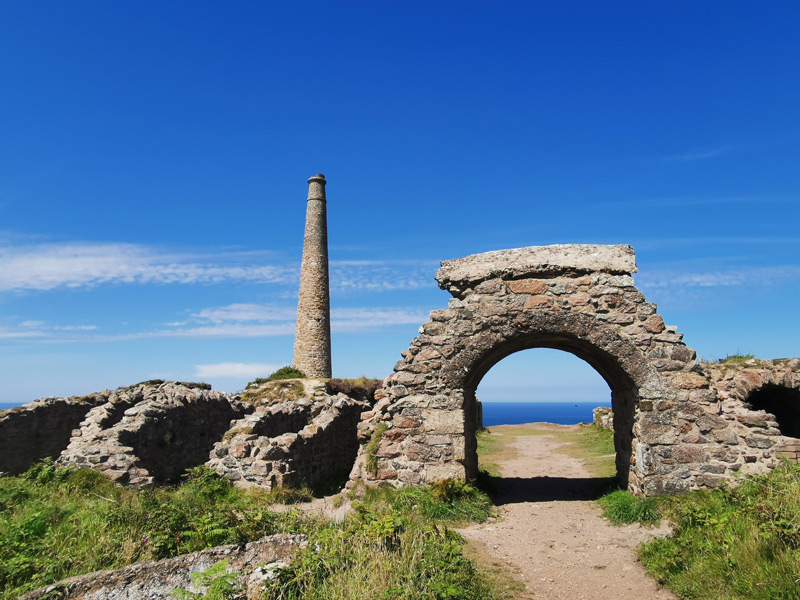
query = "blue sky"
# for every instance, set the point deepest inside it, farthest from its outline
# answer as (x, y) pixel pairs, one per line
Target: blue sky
(154, 160)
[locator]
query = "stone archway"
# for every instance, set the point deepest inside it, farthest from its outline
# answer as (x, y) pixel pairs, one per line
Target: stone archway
(618, 362)
(670, 431)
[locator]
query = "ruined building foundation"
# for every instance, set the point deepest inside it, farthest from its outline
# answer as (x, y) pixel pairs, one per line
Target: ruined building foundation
(312, 342)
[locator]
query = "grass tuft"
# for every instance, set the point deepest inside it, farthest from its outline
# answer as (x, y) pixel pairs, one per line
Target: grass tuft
(622, 507)
(371, 461)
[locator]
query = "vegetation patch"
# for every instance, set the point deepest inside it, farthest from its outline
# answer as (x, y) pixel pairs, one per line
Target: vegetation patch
(390, 547)
(58, 522)
(371, 461)
(269, 392)
(733, 543)
(736, 359)
(621, 507)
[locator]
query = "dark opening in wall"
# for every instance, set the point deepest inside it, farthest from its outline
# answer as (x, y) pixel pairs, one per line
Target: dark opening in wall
(782, 402)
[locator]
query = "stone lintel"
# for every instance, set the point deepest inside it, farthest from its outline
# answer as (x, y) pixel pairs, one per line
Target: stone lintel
(536, 261)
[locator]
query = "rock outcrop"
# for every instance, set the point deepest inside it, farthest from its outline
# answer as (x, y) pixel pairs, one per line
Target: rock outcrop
(156, 579)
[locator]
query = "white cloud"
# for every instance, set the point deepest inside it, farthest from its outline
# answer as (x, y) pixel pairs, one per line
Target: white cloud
(81, 265)
(234, 369)
(356, 319)
(727, 278)
(382, 276)
(246, 312)
(50, 266)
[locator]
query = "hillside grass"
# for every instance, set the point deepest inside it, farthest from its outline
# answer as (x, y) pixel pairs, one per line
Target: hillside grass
(58, 522)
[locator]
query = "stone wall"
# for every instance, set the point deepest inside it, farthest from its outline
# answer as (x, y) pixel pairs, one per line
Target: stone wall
(151, 432)
(671, 433)
(762, 397)
(41, 429)
(156, 579)
(311, 440)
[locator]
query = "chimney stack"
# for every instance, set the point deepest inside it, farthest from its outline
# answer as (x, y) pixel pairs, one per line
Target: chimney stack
(312, 340)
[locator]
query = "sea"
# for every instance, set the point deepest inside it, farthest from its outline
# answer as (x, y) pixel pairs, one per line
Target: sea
(514, 413)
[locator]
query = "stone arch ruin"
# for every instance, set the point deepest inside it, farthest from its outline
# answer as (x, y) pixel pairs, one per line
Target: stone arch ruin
(671, 430)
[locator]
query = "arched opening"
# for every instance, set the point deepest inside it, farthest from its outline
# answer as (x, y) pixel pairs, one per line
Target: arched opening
(781, 401)
(623, 391)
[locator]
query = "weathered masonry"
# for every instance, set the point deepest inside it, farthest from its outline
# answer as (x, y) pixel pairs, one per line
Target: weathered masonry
(674, 431)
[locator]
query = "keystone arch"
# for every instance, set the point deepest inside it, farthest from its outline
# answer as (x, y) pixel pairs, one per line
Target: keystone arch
(670, 434)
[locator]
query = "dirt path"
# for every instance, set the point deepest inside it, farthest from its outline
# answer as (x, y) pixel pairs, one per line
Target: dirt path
(552, 535)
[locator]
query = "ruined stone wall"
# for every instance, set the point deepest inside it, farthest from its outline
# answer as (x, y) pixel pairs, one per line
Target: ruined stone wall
(670, 433)
(762, 398)
(41, 429)
(151, 432)
(311, 440)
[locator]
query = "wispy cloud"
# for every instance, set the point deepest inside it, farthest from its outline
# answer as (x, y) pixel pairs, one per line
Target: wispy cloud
(240, 320)
(234, 370)
(39, 330)
(726, 278)
(700, 154)
(382, 276)
(246, 312)
(50, 266)
(74, 265)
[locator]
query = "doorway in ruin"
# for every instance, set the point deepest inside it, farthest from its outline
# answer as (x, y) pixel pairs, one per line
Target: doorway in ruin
(555, 379)
(783, 403)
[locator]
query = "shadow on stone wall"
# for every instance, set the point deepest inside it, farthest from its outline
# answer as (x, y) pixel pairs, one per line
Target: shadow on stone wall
(40, 429)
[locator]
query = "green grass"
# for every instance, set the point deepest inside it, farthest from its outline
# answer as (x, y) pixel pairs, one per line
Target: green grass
(733, 544)
(621, 507)
(395, 545)
(57, 522)
(589, 442)
(736, 359)
(374, 444)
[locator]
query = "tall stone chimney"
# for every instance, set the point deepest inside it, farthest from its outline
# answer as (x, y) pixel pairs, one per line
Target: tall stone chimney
(312, 339)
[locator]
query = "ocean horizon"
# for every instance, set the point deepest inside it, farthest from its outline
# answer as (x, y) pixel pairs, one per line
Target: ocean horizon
(516, 413)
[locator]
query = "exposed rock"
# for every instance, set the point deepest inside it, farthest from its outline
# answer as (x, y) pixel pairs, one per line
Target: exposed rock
(156, 579)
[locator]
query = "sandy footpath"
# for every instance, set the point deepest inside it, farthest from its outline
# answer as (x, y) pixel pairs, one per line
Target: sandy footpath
(551, 534)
